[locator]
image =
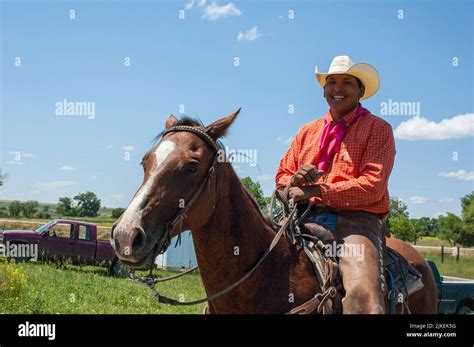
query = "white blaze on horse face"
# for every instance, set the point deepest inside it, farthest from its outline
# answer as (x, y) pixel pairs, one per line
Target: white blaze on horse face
(132, 216)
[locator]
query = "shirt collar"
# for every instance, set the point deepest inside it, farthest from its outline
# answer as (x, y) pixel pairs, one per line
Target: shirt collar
(348, 118)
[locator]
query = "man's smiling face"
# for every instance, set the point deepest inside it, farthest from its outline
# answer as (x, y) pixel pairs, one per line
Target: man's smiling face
(342, 92)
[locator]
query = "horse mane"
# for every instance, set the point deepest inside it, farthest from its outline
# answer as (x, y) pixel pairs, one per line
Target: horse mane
(268, 221)
(184, 120)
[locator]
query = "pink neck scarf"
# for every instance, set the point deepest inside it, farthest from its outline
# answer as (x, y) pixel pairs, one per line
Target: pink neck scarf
(331, 139)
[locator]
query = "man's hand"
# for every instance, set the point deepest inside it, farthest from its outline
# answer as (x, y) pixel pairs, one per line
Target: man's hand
(306, 174)
(304, 193)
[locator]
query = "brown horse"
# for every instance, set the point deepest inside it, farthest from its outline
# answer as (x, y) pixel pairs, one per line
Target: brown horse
(229, 231)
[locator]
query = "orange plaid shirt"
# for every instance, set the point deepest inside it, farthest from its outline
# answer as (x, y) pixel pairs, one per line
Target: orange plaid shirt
(357, 176)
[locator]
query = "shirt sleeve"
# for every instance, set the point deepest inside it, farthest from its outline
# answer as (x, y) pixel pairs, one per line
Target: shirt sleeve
(375, 168)
(289, 163)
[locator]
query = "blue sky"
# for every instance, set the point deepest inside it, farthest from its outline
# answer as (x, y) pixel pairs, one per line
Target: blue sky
(422, 50)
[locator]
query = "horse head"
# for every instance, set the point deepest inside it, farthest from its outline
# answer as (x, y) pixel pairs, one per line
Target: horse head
(178, 192)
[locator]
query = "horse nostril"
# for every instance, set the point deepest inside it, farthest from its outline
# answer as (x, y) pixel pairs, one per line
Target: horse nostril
(139, 240)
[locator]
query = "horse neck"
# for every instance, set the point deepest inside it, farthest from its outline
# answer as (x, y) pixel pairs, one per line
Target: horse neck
(234, 238)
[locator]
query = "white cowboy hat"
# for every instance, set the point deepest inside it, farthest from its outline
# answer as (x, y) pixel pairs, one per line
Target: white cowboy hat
(343, 64)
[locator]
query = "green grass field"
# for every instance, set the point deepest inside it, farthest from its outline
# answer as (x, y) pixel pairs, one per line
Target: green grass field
(44, 288)
(450, 267)
(48, 289)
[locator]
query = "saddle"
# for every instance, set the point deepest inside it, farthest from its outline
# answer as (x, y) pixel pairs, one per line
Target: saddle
(402, 278)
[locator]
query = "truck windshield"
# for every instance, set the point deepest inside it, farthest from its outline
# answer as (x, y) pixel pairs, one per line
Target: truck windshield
(44, 227)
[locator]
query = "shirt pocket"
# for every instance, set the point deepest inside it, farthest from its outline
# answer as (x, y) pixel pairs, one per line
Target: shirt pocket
(350, 157)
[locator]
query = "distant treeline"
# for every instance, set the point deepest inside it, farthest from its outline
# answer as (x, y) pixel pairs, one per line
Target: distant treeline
(449, 227)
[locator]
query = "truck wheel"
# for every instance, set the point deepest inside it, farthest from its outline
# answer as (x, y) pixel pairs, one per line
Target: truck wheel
(18, 259)
(464, 309)
(119, 269)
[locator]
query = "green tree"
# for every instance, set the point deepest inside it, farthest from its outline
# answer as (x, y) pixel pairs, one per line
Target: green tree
(45, 215)
(402, 228)
(117, 212)
(88, 204)
(29, 208)
(65, 207)
(419, 227)
(433, 227)
(466, 200)
(426, 226)
(255, 190)
(467, 205)
(451, 228)
(468, 215)
(14, 208)
(3, 211)
(397, 208)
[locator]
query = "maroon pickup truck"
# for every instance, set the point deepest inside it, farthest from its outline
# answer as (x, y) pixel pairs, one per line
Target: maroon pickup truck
(63, 239)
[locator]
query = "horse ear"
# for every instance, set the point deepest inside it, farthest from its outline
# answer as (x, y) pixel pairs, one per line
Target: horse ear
(172, 120)
(219, 127)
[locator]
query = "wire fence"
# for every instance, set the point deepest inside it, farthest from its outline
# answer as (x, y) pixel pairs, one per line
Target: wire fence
(444, 251)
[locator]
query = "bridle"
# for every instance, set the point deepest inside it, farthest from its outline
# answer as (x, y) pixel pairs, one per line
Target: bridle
(314, 303)
(181, 215)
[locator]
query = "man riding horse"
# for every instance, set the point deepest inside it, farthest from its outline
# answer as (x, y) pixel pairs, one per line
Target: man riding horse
(341, 164)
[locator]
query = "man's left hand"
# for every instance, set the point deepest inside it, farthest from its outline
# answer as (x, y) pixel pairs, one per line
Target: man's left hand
(303, 193)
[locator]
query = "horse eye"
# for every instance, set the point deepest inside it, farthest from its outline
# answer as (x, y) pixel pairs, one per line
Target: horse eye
(192, 168)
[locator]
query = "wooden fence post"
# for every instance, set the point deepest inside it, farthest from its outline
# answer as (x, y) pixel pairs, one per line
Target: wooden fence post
(458, 252)
(442, 253)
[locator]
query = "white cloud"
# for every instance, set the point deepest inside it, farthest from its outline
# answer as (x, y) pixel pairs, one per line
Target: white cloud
(190, 4)
(129, 148)
(52, 186)
(444, 200)
(249, 35)
(214, 11)
(417, 200)
(462, 175)
(419, 128)
(93, 177)
(285, 140)
(266, 177)
(66, 168)
(109, 147)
